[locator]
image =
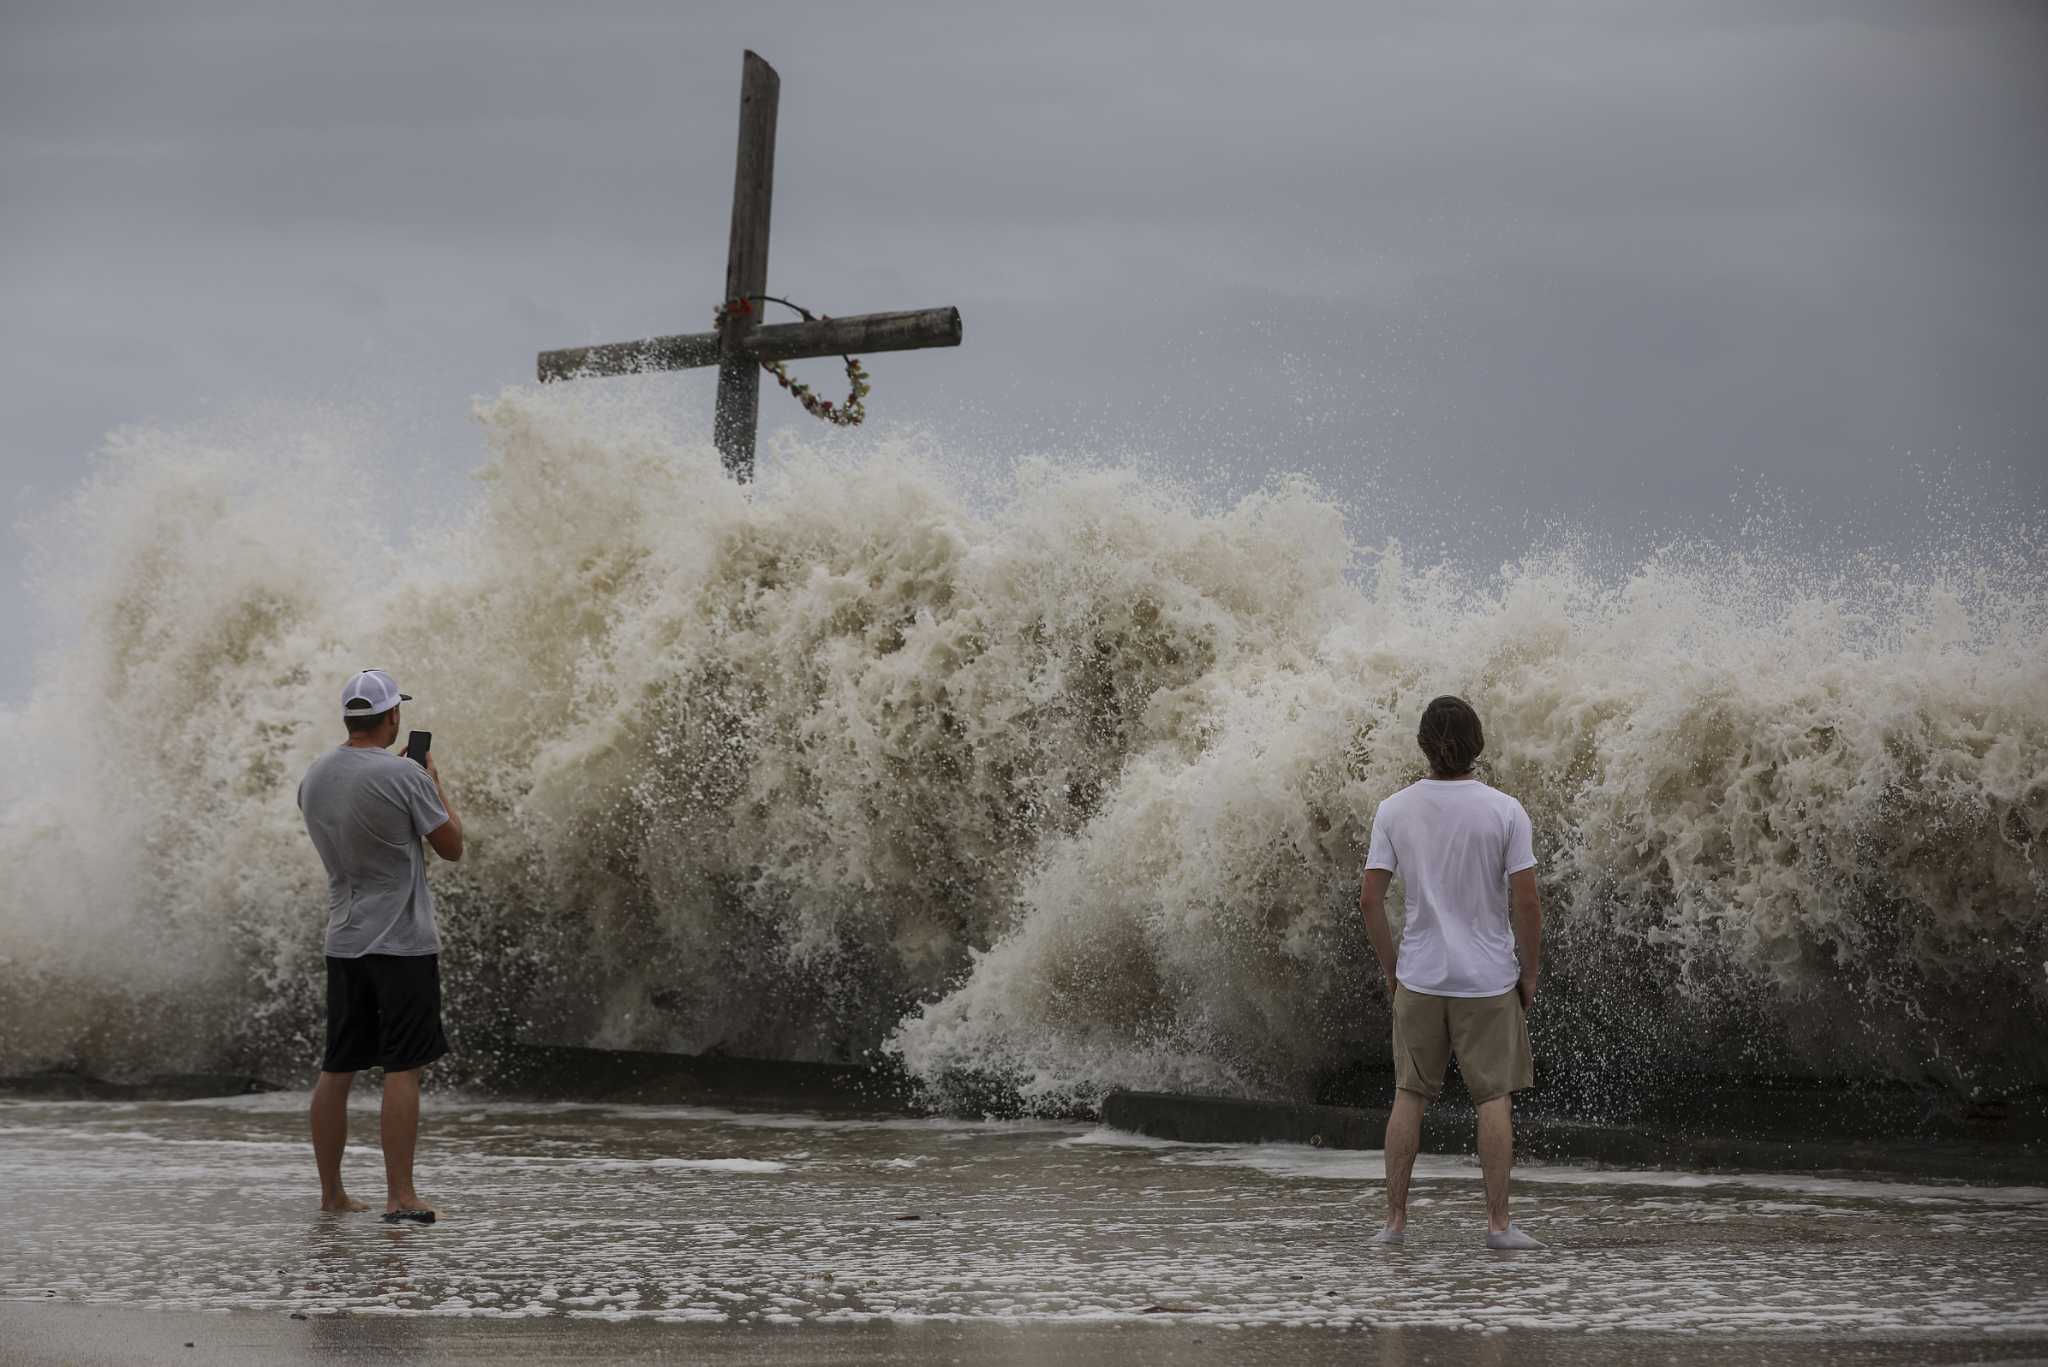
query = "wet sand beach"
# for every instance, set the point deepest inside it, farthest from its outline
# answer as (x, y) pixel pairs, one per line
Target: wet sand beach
(92, 1335)
(579, 1232)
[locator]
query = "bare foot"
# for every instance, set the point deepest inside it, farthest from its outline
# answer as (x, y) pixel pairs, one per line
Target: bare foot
(1511, 1237)
(344, 1204)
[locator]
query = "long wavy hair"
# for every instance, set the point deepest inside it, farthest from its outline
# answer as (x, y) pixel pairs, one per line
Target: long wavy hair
(1450, 735)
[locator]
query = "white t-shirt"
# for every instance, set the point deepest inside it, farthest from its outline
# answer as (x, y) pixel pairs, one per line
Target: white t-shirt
(1453, 843)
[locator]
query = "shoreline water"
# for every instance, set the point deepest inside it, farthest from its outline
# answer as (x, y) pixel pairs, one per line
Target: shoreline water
(697, 1216)
(1730, 1126)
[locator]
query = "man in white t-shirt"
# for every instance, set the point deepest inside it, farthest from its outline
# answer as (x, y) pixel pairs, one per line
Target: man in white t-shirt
(1464, 976)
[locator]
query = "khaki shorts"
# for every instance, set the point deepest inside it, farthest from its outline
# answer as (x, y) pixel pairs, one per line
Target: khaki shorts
(1490, 1036)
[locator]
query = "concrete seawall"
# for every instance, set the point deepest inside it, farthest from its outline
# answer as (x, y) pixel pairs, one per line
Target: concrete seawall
(64, 1086)
(627, 1076)
(1452, 1128)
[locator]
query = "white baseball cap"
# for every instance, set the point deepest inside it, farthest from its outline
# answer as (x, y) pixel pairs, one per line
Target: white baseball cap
(370, 693)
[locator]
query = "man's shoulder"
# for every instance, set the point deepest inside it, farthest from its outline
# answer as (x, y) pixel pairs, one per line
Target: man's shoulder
(1505, 802)
(323, 763)
(1399, 798)
(350, 765)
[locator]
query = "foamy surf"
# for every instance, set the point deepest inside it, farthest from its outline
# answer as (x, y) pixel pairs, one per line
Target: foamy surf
(634, 1216)
(1064, 786)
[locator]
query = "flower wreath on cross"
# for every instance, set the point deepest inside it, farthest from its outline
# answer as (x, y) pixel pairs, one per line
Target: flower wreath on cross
(848, 414)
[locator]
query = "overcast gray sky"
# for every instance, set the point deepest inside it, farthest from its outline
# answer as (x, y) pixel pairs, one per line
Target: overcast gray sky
(1610, 263)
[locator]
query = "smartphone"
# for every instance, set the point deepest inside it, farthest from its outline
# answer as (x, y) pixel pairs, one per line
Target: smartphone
(417, 743)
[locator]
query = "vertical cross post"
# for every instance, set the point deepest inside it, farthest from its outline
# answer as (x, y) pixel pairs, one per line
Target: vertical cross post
(741, 345)
(746, 267)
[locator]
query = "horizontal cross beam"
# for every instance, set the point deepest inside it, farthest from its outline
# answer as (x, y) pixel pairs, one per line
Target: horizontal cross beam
(860, 333)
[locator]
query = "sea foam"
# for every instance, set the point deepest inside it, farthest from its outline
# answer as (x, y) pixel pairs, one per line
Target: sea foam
(1064, 785)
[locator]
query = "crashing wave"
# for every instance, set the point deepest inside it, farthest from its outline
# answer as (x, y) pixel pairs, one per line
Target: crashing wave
(1065, 788)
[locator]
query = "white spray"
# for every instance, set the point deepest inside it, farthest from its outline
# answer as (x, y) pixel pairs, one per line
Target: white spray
(1066, 791)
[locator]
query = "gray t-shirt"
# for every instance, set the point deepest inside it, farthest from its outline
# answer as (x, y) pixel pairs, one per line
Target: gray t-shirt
(367, 810)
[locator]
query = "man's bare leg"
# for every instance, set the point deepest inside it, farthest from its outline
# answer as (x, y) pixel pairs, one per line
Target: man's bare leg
(1496, 1159)
(1404, 1137)
(329, 1117)
(400, 1128)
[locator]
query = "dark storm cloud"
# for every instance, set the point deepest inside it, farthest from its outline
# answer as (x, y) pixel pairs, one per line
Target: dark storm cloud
(1609, 262)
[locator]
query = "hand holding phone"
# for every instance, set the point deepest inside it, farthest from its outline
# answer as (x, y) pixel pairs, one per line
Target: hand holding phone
(417, 743)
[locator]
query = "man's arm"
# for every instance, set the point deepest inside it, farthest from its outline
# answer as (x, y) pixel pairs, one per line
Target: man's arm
(1372, 901)
(1527, 918)
(446, 838)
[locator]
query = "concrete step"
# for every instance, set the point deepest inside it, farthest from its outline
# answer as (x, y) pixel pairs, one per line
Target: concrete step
(1451, 1128)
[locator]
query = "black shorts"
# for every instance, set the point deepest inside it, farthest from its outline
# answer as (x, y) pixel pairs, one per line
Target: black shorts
(383, 1011)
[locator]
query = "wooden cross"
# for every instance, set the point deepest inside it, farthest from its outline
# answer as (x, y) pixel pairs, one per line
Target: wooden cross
(740, 344)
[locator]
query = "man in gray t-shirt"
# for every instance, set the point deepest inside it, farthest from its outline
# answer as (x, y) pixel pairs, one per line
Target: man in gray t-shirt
(367, 811)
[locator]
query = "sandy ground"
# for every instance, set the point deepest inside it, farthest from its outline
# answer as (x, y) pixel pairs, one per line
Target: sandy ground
(589, 1233)
(91, 1335)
